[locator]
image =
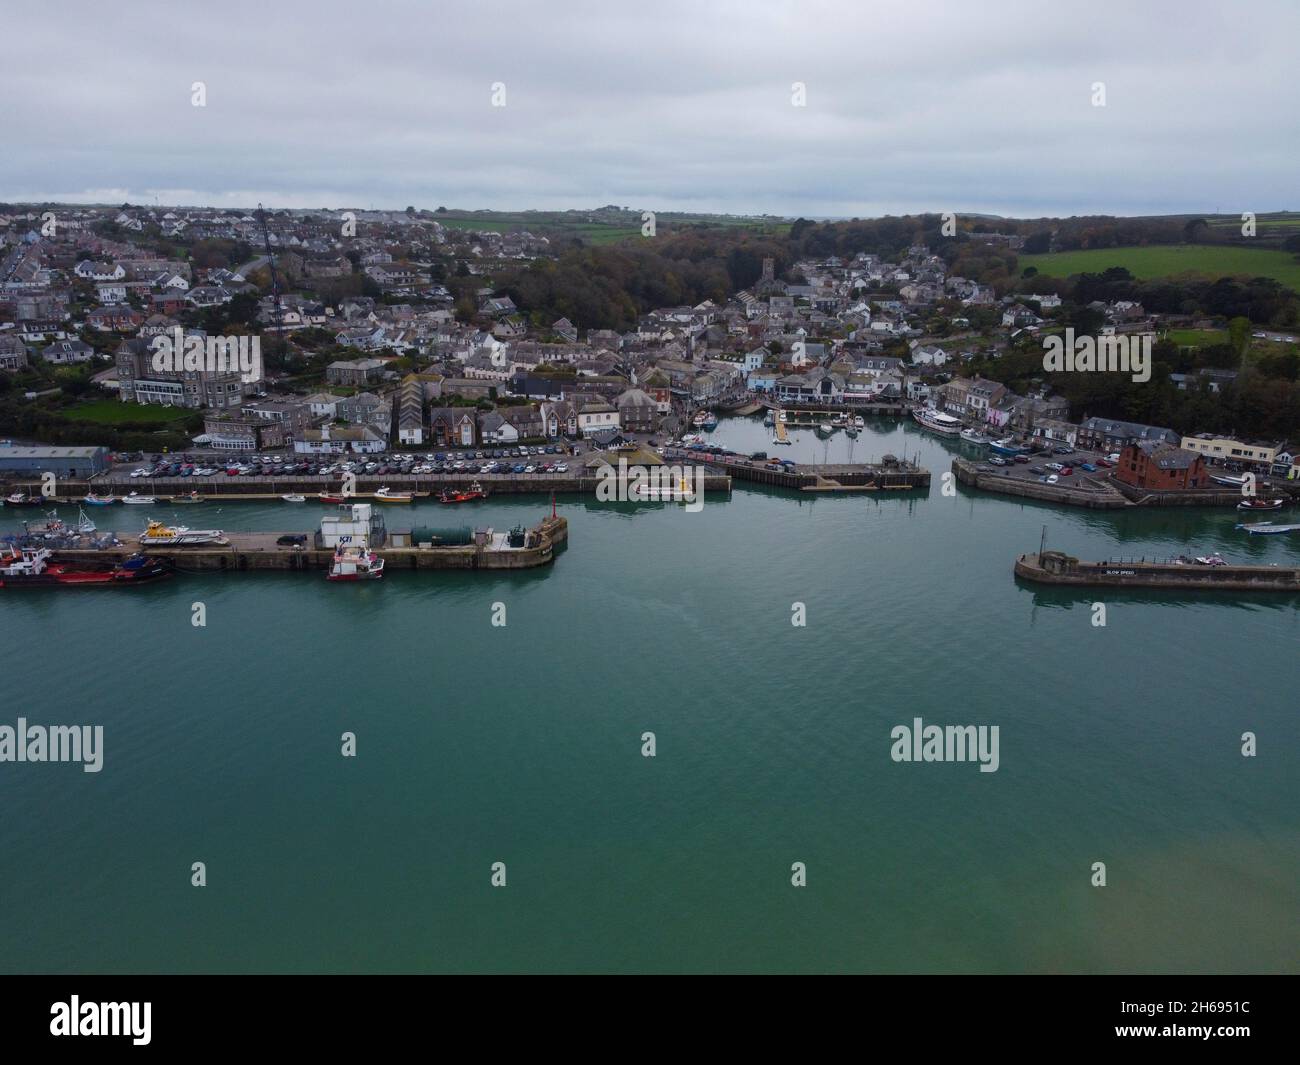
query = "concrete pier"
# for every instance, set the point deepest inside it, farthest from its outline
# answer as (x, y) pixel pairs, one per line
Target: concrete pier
(1055, 567)
(259, 551)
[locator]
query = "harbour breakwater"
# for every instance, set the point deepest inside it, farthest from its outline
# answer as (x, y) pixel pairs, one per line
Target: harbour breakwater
(253, 551)
(1056, 567)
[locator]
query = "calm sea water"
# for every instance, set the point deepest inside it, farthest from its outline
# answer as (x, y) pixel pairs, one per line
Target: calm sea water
(522, 744)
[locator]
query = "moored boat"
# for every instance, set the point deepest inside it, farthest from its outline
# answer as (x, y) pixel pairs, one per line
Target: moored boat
(293, 497)
(974, 436)
(1261, 504)
(354, 561)
(1006, 446)
(462, 495)
(1232, 480)
(936, 421)
(188, 497)
(136, 499)
(825, 428)
(332, 497)
(1267, 528)
(388, 495)
(160, 535)
(22, 499)
(34, 567)
(93, 500)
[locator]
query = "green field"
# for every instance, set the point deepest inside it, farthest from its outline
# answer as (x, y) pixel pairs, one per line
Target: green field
(1213, 261)
(1197, 338)
(113, 412)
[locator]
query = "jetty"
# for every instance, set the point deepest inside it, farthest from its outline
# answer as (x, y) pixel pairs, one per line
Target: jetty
(1056, 567)
(890, 475)
(482, 549)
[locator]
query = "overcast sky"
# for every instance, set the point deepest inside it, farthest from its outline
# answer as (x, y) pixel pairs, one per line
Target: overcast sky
(659, 105)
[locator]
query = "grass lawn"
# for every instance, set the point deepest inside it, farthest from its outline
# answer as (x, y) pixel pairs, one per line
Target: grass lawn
(1197, 338)
(113, 412)
(1212, 261)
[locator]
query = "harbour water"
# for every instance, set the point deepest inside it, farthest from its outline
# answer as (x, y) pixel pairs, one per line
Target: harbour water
(522, 744)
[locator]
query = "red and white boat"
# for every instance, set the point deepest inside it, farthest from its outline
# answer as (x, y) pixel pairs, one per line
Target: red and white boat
(462, 495)
(330, 497)
(1261, 504)
(354, 561)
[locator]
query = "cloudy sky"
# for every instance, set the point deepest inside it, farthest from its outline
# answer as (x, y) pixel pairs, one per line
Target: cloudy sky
(662, 105)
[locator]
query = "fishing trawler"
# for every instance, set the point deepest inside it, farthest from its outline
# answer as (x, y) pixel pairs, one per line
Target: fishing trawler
(936, 421)
(160, 535)
(974, 436)
(705, 419)
(354, 561)
(188, 497)
(93, 500)
(33, 567)
(1006, 446)
(462, 495)
(22, 499)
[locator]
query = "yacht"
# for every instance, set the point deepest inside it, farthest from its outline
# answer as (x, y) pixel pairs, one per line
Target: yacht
(936, 421)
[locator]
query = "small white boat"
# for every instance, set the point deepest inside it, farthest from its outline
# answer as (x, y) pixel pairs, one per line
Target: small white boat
(387, 495)
(1267, 528)
(825, 428)
(293, 497)
(1261, 504)
(136, 499)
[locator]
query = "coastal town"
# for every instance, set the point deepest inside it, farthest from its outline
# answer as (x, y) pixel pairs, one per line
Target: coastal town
(365, 359)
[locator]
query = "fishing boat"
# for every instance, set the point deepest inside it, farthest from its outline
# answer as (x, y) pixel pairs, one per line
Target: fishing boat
(825, 428)
(851, 428)
(293, 497)
(936, 421)
(354, 561)
(33, 567)
(22, 499)
(770, 417)
(84, 524)
(1261, 504)
(1006, 446)
(462, 495)
(93, 500)
(188, 497)
(331, 497)
(387, 495)
(1267, 528)
(705, 419)
(974, 436)
(160, 535)
(136, 499)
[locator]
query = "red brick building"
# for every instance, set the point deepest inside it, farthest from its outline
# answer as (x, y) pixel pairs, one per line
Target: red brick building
(1160, 466)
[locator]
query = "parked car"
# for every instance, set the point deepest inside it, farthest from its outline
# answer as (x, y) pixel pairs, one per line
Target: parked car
(1088, 466)
(291, 539)
(998, 460)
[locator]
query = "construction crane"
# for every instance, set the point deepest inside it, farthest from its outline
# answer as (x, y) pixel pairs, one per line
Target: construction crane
(275, 283)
